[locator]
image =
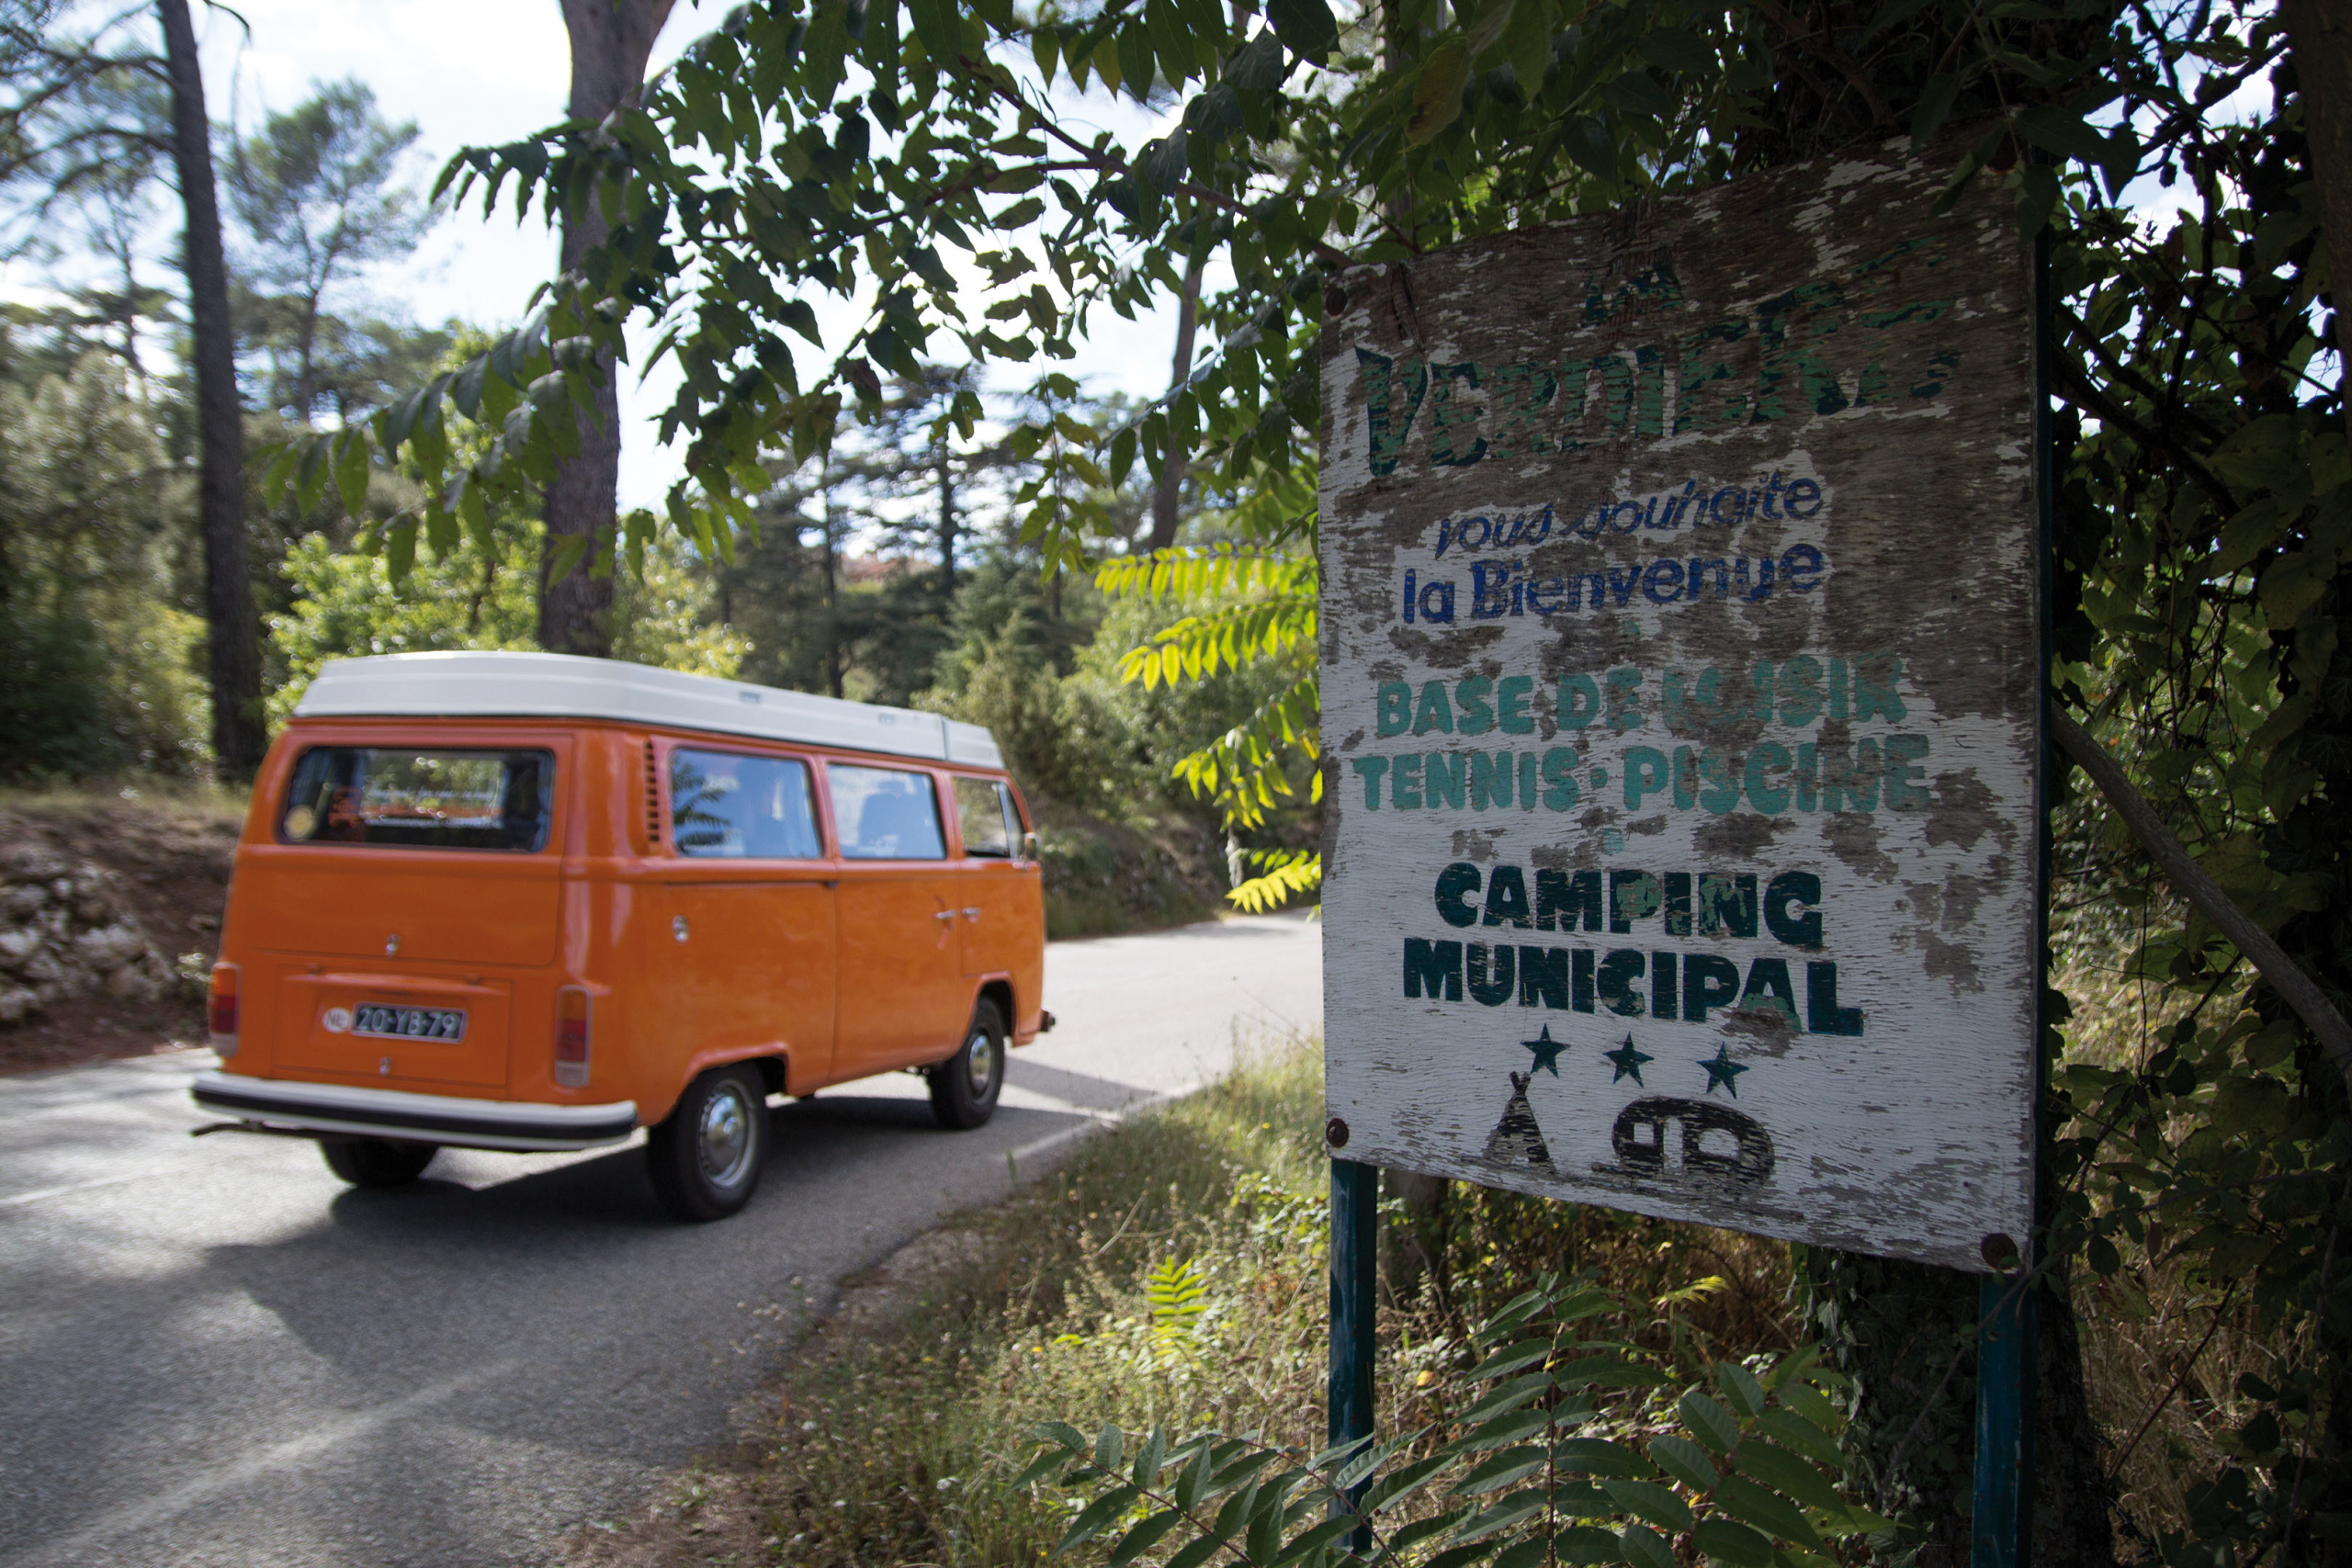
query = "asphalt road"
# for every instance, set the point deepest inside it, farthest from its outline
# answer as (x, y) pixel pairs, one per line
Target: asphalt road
(212, 1352)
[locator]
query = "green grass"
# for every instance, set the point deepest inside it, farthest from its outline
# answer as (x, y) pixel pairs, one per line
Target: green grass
(149, 794)
(1172, 1273)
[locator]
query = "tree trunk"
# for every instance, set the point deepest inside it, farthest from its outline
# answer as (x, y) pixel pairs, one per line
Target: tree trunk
(610, 42)
(306, 372)
(2321, 33)
(946, 525)
(833, 588)
(1171, 475)
(232, 636)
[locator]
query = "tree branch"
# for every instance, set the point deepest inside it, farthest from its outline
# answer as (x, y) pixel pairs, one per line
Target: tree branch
(2189, 880)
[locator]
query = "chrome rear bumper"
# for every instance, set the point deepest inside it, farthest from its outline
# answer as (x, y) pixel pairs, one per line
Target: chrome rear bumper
(418, 1118)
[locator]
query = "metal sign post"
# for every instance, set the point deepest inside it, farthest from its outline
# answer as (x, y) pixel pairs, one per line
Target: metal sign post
(1682, 705)
(1355, 1239)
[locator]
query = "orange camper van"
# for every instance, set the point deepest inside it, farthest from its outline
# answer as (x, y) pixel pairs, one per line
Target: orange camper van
(529, 901)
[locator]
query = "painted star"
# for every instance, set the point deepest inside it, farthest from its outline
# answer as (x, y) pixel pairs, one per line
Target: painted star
(1627, 1061)
(1722, 1071)
(1547, 1053)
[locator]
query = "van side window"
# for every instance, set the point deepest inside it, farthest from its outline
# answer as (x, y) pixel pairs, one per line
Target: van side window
(980, 811)
(737, 807)
(883, 814)
(416, 799)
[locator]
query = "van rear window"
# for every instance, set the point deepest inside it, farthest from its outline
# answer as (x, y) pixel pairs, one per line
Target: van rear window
(405, 798)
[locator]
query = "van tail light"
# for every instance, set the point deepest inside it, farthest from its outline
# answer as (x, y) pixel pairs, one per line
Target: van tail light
(571, 1031)
(220, 1008)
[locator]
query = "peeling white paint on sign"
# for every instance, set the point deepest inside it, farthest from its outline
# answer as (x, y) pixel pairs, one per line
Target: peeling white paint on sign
(1680, 634)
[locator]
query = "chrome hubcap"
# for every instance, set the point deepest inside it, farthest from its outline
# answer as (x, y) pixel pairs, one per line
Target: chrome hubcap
(979, 1061)
(723, 1141)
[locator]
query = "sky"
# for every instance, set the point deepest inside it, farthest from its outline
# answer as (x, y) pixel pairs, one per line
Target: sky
(476, 72)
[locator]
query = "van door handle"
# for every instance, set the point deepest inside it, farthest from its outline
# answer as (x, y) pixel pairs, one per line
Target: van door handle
(972, 913)
(945, 914)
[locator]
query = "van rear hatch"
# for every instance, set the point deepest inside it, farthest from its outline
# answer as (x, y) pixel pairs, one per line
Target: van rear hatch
(393, 1025)
(432, 853)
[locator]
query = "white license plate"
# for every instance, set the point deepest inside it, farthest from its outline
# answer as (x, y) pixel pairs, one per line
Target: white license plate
(382, 1022)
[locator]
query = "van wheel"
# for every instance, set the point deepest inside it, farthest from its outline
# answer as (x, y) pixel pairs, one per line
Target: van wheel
(964, 1089)
(705, 1159)
(377, 1162)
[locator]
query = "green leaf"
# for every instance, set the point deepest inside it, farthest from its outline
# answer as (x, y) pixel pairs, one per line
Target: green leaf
(1768, 1511)
(1649, 1500)
(1894, 13)
(1683, 1460)
(1501, 1470)
(1786, 1473)
(1489, 25)
(1599, 1456)
(1135, 69)
(1607, 1371)
(1047, 1461)
(476, 516)
(1513, 1426)
(1586, 141)
(310, 479)
(1709, 1422)
(351, 468)
(1678, 49)
(1140, 1538)
(1069, 1438)
(1527, 44)
(1512, 1395)
(2054, 130)
(1148, 1462)
(1501, 1517)
(928, 266)
(1306, 28)
(1645, 1548)
(1516, 1357)
(280, 472)
(1196, 1551)
(1799, 1434)
(1437, 91)
(1586, 1543)
(1934, 108)
(1108, 1447)
(1097, 1514)
(1732, 1543)
(1194, 1481)
(399, 553)
(1322, 1535)
(1740, 1386)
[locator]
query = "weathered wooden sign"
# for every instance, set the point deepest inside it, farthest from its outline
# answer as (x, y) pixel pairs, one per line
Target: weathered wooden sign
(1680, 697)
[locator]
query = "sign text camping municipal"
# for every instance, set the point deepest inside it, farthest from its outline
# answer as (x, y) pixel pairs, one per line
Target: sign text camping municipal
(1680, 689)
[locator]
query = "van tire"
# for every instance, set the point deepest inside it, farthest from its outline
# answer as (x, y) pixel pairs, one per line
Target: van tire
(377, 1162)
(964, 1089)
(706, 1158)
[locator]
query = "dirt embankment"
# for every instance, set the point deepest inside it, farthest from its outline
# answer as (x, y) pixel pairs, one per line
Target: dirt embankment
(109, 912)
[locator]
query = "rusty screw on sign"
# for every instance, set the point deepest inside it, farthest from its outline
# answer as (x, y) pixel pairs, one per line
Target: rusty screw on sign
(1335, 1133)
(1335, 300)
(2000, 1253)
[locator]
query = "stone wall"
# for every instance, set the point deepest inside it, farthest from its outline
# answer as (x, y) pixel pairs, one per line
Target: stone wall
(66, 929)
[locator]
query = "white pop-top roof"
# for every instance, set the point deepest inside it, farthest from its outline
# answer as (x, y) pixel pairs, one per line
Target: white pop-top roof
(534, 685)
